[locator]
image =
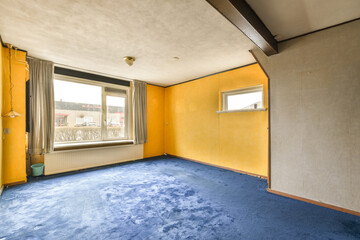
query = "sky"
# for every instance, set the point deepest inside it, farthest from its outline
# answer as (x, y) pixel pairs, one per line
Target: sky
(82, 93)
(241, 101)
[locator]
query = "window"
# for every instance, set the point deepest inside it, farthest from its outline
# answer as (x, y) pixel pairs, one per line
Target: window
(89, 111)
(244, 99)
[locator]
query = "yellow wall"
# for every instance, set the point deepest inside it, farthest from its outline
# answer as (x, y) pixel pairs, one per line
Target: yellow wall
(14, 157)
(155, 121)
(194, 130)
(182, 121)
(1, 127)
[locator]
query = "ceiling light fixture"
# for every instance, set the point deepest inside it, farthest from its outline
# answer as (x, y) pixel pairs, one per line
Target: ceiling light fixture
(129, 60)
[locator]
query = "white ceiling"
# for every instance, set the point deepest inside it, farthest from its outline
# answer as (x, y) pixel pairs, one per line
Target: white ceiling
(96, 35)
(290, 18)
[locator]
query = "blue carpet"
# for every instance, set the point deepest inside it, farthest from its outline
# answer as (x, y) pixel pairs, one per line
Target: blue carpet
(163, 198)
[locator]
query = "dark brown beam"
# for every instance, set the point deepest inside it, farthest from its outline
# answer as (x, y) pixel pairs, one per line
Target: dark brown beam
(239, 13)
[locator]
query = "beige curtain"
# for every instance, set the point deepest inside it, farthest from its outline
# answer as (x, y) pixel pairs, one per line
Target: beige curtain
(41, 136)
(140, 114)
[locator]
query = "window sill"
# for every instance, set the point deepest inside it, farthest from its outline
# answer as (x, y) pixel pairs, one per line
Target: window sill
(74, 146)
(243, 110)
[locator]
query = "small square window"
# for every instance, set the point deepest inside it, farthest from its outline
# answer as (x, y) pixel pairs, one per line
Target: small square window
(243, 99)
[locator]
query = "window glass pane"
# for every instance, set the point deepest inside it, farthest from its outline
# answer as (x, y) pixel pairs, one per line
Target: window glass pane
(115, 118)
(245, 101)
(77, 112)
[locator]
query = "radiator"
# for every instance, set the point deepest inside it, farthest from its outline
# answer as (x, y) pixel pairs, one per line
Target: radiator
(70, 160)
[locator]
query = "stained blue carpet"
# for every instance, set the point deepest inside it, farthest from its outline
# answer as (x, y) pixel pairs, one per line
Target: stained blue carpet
(163, 198)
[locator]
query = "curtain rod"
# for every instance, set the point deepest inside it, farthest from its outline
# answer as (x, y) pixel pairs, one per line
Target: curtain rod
(85, 70)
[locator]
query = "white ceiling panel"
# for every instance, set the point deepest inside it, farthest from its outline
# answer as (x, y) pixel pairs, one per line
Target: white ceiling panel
(290, 18)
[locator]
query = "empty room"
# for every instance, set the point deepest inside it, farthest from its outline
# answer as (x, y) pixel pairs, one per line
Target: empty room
(165, 119)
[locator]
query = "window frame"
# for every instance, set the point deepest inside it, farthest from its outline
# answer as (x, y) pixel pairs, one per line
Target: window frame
(104, 126)
(251, 89)
(104, 138)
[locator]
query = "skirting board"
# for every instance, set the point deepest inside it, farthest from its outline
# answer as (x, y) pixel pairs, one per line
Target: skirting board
(14, 183)
(314, 202)
(218, 166)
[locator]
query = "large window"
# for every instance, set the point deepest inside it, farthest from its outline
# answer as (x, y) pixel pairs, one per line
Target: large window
(250, 98)
(89, 111)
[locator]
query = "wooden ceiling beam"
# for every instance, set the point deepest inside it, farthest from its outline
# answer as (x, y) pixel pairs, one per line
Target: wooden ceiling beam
(239, 13)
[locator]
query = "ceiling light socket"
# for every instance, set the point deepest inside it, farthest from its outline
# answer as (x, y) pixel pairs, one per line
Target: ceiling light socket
(129, 60)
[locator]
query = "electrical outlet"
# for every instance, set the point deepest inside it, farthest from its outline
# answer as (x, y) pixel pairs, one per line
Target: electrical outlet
(6, 130)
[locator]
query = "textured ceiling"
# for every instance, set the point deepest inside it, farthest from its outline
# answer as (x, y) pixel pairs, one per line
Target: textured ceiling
(290, 18)
(96, 35)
